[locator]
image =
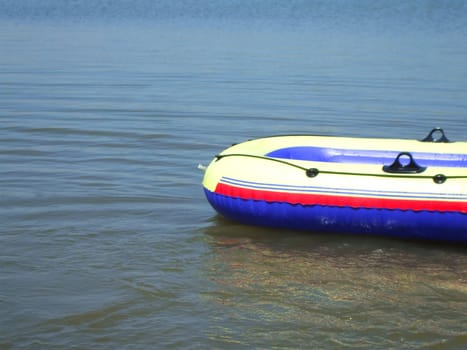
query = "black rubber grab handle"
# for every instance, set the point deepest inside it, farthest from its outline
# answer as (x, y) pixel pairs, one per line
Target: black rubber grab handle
(398, 168)
(431, 138)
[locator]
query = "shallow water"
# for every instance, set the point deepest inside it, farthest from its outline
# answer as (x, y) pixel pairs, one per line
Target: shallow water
(107, 240)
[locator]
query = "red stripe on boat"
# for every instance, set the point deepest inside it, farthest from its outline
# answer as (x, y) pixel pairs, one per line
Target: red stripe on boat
(341, 201)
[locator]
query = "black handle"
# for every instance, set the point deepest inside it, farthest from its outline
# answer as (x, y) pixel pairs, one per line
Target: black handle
(430, 137)
(398, 168)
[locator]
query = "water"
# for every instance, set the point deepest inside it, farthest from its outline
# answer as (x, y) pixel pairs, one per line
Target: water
(106, 109)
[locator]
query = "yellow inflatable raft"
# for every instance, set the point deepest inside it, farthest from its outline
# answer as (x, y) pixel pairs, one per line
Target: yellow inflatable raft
(393, 187)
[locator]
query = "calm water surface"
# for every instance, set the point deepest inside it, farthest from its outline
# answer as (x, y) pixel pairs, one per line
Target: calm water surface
(106, 240)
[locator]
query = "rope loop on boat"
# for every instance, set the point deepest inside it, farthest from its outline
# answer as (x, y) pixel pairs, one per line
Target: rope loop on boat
(439, 179)
(313, 172)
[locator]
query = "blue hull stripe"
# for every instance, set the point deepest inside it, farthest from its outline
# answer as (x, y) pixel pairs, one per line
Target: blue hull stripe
(448, 226)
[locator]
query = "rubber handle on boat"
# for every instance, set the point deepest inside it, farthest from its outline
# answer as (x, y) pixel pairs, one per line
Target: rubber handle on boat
(431, 138)
(397, 167)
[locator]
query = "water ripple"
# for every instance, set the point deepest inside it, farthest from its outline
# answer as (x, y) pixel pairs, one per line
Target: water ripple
(106, 238)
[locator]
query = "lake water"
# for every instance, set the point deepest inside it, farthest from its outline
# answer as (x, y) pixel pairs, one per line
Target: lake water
(106, 110)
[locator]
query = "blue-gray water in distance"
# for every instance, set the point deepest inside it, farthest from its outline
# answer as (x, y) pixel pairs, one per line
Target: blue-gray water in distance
(106, 109)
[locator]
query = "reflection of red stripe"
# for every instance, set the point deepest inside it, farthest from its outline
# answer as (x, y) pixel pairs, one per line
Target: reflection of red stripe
(340, 201)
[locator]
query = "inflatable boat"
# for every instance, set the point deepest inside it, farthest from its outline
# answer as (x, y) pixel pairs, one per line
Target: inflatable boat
(413, 189)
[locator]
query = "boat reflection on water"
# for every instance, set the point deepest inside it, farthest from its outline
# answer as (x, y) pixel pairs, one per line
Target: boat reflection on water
(347, 289)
